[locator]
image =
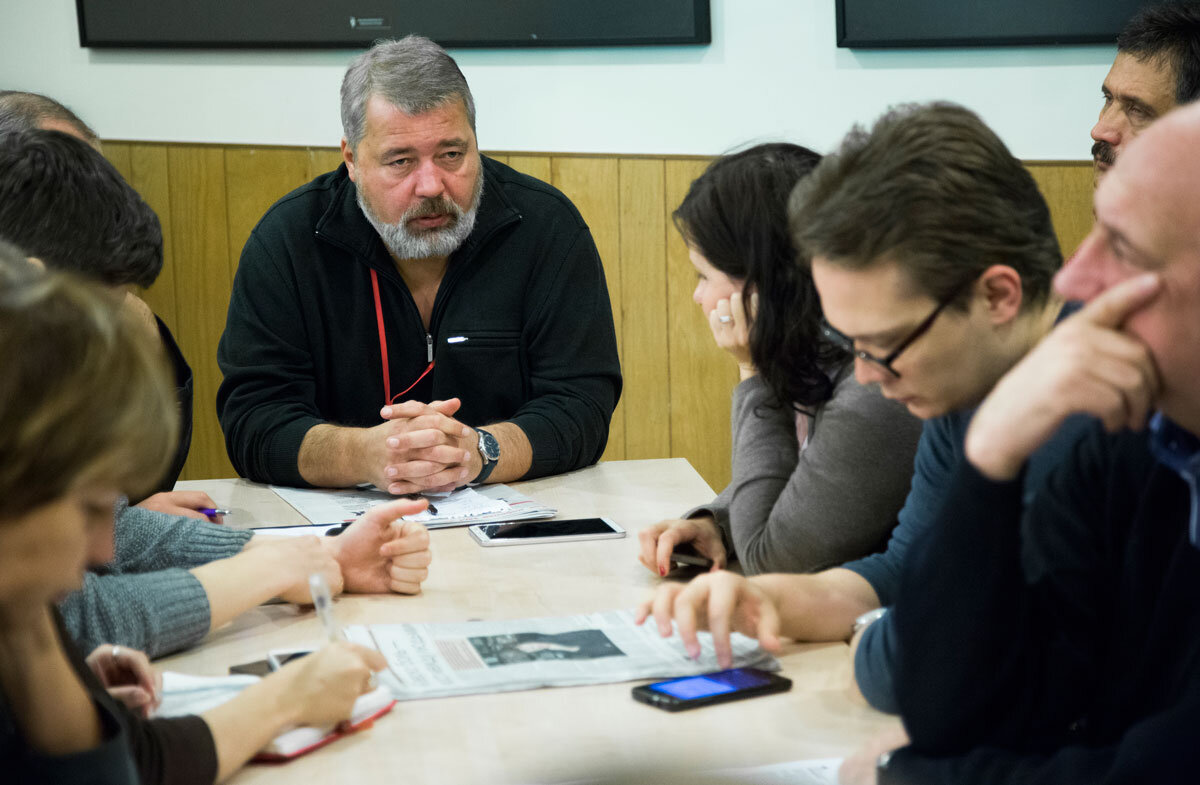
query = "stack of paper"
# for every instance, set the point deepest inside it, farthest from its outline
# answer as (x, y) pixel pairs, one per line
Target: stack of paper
(491, 504)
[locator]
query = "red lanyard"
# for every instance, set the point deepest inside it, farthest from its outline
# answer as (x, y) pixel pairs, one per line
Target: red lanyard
(383, 352)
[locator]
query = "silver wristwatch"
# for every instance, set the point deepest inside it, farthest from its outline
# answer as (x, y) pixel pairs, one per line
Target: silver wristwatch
(868, 618)
(489, 451)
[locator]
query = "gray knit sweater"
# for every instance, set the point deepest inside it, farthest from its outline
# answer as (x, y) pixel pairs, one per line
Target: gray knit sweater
(791, 511)
(146, 598)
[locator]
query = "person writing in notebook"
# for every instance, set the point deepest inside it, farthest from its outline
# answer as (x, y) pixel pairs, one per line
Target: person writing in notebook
(66, 349)
(422, 318)
(175, 577)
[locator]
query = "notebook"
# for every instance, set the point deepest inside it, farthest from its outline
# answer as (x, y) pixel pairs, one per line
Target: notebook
(185, 694)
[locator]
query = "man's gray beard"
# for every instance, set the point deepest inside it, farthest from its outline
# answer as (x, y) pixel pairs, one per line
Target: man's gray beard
(437, 242)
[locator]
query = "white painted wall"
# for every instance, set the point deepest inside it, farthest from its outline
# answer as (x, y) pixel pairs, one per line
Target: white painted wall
(772, 71)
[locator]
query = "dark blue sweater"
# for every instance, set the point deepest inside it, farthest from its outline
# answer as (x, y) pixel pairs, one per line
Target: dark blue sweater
(1062, 647)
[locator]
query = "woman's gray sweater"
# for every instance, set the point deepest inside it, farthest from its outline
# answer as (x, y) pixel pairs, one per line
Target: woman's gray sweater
(793, 510)
(146, 599)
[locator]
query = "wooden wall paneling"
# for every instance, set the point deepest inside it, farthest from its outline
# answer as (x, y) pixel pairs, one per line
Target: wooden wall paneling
(533, 165)
(501, 158)
(254, 180)
(643, 217)
(1067, 188)
(322, 160)
(117, 154)
(593, 185)
(702, 375)
(208, 198)
(200, 252)
(148, 174)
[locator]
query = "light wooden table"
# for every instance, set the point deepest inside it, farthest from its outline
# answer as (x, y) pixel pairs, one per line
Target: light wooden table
(548, 735)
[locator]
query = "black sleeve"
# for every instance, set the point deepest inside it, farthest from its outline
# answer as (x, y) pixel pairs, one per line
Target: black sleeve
(1162, 749)
(108, 763)
(267, 400)
(167, 751)
(575, 376)
(999, 639)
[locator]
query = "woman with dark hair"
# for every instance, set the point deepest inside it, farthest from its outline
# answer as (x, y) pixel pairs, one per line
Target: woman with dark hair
(821, 464)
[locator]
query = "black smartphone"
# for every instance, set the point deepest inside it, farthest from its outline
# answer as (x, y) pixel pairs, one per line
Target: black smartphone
(256, 668)
(277, 659)
(686, 554)
(692, 692)
(527, 532)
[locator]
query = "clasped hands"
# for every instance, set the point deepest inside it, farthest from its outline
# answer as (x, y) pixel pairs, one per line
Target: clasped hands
(421, 447)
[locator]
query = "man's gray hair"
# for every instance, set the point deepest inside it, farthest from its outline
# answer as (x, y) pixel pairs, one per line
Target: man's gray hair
(413, 74)
(22, 111)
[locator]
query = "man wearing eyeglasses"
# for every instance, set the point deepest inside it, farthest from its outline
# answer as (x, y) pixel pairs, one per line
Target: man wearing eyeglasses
(1060, 641)
(933, 253)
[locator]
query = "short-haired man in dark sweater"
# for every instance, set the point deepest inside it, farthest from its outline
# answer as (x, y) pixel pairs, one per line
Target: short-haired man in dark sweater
(423, 317)
(1064, 645)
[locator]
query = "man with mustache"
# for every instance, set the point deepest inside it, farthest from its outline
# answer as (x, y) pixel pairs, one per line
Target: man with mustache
(422, 318)
(1157, 67)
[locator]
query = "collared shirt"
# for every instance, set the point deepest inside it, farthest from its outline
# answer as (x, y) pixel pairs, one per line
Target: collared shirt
(1179, 450)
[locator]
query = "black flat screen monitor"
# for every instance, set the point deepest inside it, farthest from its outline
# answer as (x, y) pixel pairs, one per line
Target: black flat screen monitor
(350, 24)
(886, 24)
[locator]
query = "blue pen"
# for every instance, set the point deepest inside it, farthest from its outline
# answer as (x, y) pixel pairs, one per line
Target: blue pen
(213, 512)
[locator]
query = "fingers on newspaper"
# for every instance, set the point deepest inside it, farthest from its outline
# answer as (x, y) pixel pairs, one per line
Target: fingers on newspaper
(437, 660)
(465, 506)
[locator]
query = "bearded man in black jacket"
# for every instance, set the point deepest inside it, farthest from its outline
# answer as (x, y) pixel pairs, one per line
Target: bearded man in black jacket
(423, 317)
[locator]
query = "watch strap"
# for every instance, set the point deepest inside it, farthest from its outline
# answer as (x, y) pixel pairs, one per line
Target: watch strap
(489, 463)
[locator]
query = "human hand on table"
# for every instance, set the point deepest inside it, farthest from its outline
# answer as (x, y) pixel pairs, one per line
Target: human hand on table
(421, 447)
(290, 560)
(185, 503)
(659, 541)
(862, 768)
(730, 325)
(322, 687)
(1085, 365)
(380, 552)
(128, 676)
(721, 602)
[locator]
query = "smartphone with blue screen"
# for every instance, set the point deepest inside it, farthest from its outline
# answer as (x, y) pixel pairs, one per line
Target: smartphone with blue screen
(692, 692)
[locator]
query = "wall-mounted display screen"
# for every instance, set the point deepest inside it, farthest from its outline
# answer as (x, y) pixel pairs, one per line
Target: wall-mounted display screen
(919, 23)
(348, 24)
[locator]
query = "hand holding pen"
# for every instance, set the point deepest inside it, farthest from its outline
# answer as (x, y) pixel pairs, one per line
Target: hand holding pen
(188, 504)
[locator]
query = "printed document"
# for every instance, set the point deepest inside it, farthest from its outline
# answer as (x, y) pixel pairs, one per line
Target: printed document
(436, 660)
(465, 506)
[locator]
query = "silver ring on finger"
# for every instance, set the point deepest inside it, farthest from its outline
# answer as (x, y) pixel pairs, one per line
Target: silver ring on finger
(116, 652)
(724, 319)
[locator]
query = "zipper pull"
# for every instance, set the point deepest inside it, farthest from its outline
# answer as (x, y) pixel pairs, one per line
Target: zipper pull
(428, 348)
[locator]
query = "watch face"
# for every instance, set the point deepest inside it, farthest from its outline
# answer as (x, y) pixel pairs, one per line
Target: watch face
(488, 446)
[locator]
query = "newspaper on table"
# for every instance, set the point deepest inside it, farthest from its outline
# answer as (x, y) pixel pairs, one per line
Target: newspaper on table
(822, 771)
(438, 660)
(465, 506)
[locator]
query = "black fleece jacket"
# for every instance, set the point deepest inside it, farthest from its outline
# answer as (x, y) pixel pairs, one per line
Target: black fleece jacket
(521, 330)
(1064, 648)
